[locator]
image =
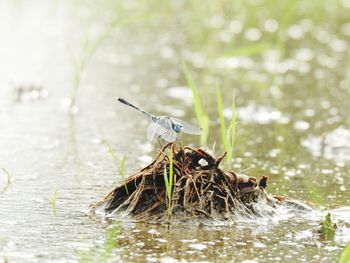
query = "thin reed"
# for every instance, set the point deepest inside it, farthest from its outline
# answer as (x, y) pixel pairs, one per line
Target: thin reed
(327, 227)
(120, 166)
(202, 117)
(169, 181)
(90, 48)
(227, 135)
(345, 255)
(53, 203)
(9, 179)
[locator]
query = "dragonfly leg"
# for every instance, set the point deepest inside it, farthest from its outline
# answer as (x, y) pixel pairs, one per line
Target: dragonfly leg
(160, 144)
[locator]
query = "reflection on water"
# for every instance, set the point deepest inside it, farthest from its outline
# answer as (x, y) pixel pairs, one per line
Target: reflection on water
(288, 62)
(279, 238)
(258, 114)
(25, 93)
(334, 145)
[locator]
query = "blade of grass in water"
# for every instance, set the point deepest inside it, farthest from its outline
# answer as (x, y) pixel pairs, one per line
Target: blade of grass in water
(7, 173)
(202, 117)
(227, 136)
(89, 50)
(166, 181)
(328, 227)
(232, 129)
(53, 203)
(169, 181)
(120, 167)
(171, 172)
(105, 252)
(345, 255)
(221, 118)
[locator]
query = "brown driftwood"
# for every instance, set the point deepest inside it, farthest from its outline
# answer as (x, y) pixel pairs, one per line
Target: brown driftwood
(200, 189)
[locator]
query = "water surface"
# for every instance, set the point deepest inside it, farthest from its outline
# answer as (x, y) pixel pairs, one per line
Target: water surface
(290, 70)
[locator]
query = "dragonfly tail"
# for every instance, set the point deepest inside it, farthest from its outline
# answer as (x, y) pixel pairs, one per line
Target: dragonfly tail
(121, 100)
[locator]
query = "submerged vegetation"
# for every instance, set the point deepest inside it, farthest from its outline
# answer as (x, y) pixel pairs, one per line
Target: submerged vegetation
(52, 201)
(105, 253)
(327, 228)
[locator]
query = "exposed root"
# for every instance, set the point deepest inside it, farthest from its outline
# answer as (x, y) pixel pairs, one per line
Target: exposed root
(200, 189)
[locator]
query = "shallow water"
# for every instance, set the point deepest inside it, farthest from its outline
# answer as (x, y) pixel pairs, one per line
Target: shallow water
(292, 94)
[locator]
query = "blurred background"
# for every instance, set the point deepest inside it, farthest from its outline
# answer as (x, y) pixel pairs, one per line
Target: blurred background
(62, 65)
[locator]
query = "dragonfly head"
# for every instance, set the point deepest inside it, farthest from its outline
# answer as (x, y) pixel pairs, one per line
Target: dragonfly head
(177, 127)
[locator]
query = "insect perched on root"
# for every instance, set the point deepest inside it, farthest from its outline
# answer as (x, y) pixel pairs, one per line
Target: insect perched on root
(164, 126)
(200, 189)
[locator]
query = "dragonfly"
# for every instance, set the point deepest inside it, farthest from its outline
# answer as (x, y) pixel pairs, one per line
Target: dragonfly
(164, 126)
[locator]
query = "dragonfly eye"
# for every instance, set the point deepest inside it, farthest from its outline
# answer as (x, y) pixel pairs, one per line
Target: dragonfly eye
(178, 128)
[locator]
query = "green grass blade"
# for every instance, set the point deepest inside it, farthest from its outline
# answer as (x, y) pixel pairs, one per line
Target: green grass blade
(120, 167)
(111, 242)
(53, 203)
(196, 97)
(165, 174)
(205, 126)
(9, 177)
(168, 180)
(202, 118)
(328, 228)
(121, 173)
(233, 121)
(345, 255)
(222, 119)
(229, 146)
(171, 173)
(112, 153)
(90, 48)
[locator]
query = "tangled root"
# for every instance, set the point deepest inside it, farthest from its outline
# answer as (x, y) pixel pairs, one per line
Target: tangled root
(200, 189)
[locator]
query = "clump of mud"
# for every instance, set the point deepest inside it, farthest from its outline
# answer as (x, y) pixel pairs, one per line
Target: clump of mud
(201, 190)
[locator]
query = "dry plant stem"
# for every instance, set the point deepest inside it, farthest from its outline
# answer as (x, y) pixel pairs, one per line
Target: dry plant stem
(200, 189)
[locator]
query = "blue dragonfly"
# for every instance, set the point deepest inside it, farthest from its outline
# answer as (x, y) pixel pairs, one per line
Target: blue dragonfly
(164, 126)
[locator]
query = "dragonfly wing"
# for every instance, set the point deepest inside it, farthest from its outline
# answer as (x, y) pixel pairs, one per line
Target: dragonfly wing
(188, 128)
(161, 127)
(169, 136)
(151, 130)
(165, 130)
